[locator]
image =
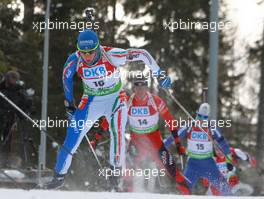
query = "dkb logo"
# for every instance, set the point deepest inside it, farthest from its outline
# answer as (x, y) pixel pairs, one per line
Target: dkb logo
(196, 135)
(95, 72)
(139, 111)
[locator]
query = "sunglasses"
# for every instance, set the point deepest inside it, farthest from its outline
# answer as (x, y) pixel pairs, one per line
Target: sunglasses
(88, 52)
(140, 83)
(202, 116)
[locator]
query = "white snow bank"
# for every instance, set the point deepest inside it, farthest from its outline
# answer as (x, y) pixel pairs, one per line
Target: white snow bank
(43, 194)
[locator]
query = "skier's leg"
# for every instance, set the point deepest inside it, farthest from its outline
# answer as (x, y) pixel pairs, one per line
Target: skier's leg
(167, 162)
(82, 121)
(191, 173)
(132, 162)
(217, 180)
(215, 191)
(117, 118)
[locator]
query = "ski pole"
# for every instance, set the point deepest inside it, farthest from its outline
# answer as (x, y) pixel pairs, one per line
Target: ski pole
(181, 159)
(169, 92)
(93, 151)
(103, 142)
(13, 180)
(31, 120)
(10, 178)
(36, 124)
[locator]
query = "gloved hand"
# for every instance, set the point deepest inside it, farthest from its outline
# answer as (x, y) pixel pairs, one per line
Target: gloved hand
(229, 161)
(231, 170)
(70, 109)
(164, 82)
(180, 149)
(94, 144)
(233, 180)
(230, 167)
(104, 124)
(98, 136)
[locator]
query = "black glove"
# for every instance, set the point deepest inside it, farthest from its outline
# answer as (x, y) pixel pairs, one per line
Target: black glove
(70, 109)
(230, 167)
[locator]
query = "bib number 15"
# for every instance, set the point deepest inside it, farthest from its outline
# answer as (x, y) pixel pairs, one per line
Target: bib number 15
(200, 146)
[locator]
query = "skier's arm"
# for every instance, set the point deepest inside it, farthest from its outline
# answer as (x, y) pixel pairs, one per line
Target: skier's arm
(217, 136)
(143, 55)
(239, 153)
(67, 77)
(170, 122)
(244, 156)
(165, 113)
(116, 56)
(181, 133)
(119, 57)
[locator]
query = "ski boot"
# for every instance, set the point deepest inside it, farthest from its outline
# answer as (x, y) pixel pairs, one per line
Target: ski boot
(56, 183)
(115, 181)
(181, 184)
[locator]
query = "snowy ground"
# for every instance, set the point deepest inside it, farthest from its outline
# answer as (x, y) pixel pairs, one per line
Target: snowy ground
(41, 194)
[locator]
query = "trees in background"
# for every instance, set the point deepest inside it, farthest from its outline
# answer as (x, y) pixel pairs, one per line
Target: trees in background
(257, 57)
(182, 53)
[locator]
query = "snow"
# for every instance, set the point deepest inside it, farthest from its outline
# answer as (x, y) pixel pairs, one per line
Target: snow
(44, 194)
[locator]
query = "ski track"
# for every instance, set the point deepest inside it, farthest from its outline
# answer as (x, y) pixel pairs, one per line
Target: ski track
(45, 194)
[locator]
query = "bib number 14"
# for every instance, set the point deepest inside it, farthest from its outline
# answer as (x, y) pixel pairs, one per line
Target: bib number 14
(142, 122)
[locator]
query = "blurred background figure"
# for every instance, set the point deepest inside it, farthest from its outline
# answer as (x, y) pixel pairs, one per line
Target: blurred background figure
(12, 88)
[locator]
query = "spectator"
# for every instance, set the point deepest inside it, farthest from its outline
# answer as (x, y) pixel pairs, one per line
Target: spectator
(12, 88)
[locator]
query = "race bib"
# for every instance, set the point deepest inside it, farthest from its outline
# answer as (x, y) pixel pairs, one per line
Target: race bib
(141, 121)
(199, 144)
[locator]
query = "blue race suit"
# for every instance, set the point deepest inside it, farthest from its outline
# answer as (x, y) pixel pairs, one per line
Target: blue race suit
(201, 163)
